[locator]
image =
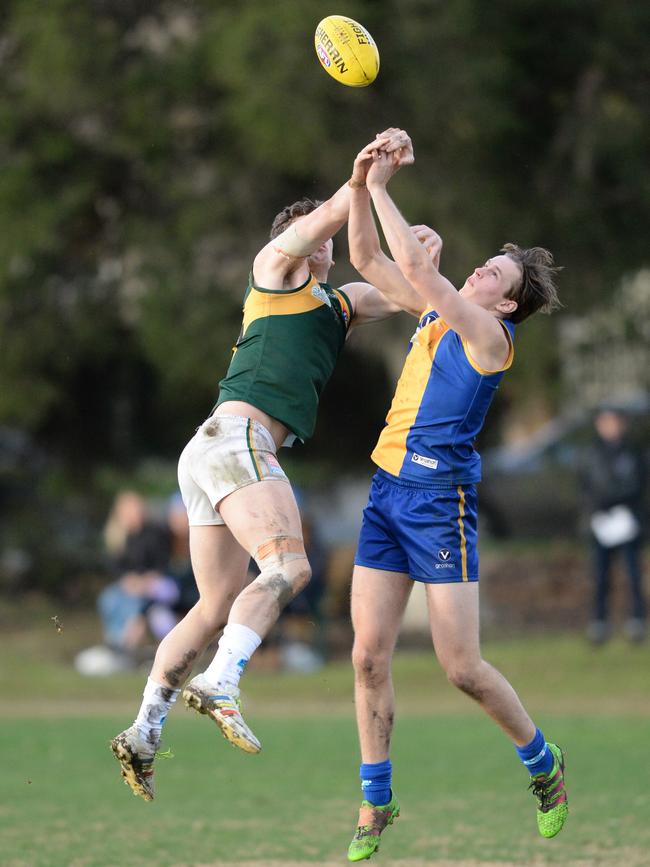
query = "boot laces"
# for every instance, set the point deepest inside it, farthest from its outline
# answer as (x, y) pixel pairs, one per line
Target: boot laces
(542, 788)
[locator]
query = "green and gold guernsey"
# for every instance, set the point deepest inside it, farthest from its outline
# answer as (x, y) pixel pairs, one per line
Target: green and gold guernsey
(286, 352)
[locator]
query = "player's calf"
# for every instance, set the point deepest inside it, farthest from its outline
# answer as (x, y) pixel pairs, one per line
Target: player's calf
(284, 571)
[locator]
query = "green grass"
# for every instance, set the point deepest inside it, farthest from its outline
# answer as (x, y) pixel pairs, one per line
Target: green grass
(463, 793)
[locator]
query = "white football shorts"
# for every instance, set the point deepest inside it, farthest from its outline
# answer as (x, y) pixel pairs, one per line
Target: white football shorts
(225, 454)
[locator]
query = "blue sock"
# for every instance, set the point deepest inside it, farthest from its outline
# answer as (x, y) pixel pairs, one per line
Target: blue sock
(375, 782)
(536, 756)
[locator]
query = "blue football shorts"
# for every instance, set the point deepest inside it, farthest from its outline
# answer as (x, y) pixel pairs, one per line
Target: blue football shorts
(428, 533)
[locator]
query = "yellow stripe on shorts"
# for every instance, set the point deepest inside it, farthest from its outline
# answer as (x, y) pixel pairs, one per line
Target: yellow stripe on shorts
(251, 451)
(461, 527)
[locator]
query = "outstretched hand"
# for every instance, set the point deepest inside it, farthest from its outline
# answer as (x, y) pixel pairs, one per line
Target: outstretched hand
(396, 150)
(383, 167)
(398, 142)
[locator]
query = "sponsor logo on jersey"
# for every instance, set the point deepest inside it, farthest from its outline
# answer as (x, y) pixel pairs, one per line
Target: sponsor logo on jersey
(431, 463)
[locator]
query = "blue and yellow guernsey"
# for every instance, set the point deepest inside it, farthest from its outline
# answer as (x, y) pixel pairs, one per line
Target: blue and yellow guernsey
(286, 351)
(439, 407)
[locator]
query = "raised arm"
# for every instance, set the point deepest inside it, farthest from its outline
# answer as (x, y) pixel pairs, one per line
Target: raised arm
(288, 252)
(367, 256)
(484, 334)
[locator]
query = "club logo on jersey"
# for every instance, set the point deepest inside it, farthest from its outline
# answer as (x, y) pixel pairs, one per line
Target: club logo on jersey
(321, 294)
(426, 320)
(431, 463)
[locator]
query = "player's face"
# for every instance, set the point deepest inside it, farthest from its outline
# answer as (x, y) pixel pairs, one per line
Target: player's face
(490, 283)
(323, 257)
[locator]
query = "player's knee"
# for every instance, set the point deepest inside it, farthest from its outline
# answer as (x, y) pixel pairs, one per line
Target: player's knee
(300, 575)
(213, 618)
(371, 666)
(284, 568)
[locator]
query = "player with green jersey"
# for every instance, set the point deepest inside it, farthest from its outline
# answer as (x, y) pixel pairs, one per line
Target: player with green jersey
(239, 502)
(286, 352)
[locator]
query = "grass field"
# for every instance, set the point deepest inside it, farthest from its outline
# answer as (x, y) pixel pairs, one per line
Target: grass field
(463, 794)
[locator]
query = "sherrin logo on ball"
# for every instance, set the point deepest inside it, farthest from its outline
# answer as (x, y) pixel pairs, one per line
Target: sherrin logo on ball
(346, 51)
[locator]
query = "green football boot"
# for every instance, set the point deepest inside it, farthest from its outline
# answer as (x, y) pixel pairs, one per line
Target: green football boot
(372, 821)
(552, 803)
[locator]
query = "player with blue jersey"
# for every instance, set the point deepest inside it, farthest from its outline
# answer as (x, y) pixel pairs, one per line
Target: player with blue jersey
(420, 523)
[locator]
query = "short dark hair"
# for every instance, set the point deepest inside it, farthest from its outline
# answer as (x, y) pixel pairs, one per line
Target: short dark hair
(287, 215)
(537, 289)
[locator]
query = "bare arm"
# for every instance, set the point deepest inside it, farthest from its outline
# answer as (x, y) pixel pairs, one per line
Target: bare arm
(289, 251)
(482, 331)
(367, 256)
(368, 304)
(287, 254)
(372, 263)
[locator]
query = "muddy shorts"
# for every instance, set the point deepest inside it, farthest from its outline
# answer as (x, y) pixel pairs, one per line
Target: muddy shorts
(225, 454)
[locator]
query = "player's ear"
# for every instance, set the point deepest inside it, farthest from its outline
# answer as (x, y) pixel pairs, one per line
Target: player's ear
(507, 307)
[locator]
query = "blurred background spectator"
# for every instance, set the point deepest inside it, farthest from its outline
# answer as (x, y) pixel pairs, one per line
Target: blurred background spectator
(153, 584)
(613, 479)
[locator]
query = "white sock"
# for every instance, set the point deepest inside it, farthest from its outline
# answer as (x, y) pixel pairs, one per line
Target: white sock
(156, 703)
(236, 646)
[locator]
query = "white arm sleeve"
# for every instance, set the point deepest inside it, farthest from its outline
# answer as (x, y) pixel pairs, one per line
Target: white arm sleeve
(291, 244)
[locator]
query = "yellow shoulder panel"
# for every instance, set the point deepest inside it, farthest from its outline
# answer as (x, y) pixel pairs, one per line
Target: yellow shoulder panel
(261, 303)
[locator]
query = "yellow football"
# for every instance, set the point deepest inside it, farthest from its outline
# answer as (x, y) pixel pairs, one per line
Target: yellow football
(347, 51)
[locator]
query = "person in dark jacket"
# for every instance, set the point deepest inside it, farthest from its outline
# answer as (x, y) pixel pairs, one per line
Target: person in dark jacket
(613, 478)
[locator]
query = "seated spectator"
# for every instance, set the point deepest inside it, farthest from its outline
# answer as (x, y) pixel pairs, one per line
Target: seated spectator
(153, 587)
(139, 552)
